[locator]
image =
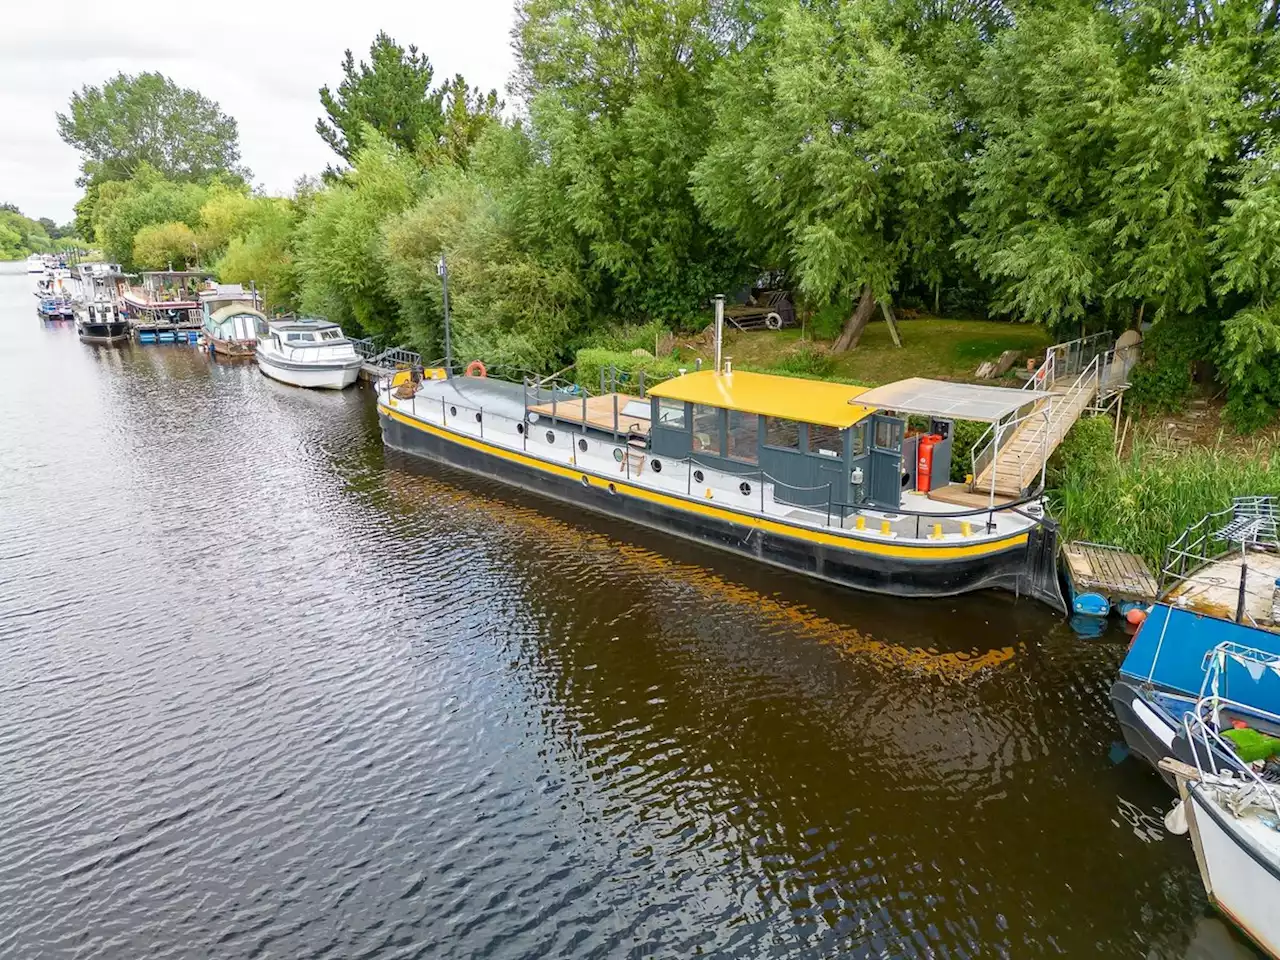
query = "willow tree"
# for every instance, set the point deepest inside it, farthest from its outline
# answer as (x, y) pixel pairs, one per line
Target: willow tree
(831, 156)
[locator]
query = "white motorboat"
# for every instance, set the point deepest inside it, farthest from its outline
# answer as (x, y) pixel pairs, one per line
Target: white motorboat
(307, 353)
(1231, 803)
(35, 263)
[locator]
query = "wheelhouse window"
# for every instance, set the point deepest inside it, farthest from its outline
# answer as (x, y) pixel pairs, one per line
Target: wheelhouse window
(706, 429)
(671, 414)
(330, 335)
(306, 337)
(781, 433)
(744, 436)
(825, 441)
(888, 434)
(858, 438)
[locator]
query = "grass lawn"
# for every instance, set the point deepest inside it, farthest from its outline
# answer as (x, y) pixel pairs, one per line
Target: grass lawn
(931, 347)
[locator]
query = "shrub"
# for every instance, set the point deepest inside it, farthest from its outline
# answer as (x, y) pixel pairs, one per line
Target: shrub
(592, 360)
(625, 337)
(1162, 380)
(805, 362)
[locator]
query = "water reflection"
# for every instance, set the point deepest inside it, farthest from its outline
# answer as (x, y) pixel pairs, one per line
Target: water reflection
(267, 690)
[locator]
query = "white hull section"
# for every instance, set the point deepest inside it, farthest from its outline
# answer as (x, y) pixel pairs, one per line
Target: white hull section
(322, 377)
(1233, 857)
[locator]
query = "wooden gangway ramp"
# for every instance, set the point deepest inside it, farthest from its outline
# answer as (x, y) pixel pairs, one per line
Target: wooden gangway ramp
(1110, 571)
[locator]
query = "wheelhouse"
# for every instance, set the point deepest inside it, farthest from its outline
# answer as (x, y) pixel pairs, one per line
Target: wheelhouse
(815, 440)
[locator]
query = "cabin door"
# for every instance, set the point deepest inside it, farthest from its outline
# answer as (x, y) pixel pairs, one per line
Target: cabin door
(885, 488)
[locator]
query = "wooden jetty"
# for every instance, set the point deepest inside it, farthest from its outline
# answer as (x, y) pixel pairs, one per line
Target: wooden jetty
(1113, 573)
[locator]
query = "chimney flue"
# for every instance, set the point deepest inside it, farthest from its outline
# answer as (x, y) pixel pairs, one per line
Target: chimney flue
(719, 301)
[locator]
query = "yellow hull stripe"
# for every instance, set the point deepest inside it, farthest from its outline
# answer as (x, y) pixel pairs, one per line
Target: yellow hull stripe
(742, 519)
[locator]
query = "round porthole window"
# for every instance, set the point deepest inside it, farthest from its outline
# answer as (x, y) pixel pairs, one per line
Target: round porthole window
(477, 418)
(697, 476)
(612, 488)
(745, 488)
(453, 411)
(519, 428)
(551, 437)
(617, 454)
(582, 445)
(656, 464)
(585, 481)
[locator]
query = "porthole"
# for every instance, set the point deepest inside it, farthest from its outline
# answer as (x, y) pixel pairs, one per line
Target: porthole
(582, 445)
(453, 411)
(519, 428)
(656, 464)
(617, 454)
(551, 436)
(697, 476)
(612, 488)
(745, 488)
(477, 418)
(585, 481)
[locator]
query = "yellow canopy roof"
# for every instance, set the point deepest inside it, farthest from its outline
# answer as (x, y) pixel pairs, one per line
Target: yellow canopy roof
(790, 398)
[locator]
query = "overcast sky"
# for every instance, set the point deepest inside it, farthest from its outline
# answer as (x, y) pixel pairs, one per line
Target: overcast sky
(263, 61)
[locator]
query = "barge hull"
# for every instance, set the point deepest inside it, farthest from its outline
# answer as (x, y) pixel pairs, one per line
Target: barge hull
(1021, 568)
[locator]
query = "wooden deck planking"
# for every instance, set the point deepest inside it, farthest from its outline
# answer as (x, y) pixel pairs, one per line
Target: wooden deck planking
(599, 413)
(1113, 572)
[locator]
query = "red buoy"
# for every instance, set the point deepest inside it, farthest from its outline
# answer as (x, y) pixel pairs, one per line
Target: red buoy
(1135, 615)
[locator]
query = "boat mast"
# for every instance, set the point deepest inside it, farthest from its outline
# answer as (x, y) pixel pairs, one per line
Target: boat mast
(719, 302)
(442, 268)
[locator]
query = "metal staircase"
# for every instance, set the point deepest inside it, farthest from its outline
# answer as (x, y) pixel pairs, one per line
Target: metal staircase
(1009, 459)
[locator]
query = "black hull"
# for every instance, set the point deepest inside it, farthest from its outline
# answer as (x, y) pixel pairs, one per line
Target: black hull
(1027, 569)
(103, 332)
(1148, 744)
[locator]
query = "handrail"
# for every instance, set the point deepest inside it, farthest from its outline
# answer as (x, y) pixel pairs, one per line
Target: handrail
(691, 463)
(1215, 746)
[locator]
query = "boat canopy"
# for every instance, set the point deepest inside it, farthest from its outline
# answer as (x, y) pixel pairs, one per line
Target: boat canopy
(787, 398)
(945, 400)
(235, 310)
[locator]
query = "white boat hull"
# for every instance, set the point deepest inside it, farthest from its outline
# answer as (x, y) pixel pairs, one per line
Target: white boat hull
(318, 376)
(1241, 877)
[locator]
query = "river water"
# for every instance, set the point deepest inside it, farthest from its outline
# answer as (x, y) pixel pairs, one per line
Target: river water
(267, 690)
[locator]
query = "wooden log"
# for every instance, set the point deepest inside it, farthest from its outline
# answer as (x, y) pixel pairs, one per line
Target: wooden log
(991, 369)
(1183, 771)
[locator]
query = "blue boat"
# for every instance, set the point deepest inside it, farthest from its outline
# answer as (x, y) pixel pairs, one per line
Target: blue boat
(1216, 625)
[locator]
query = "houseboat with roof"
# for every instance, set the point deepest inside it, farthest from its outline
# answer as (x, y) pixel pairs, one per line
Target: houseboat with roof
(825, 479)
(307, 352)
(165, 306)
(99, 318)
(232, 320)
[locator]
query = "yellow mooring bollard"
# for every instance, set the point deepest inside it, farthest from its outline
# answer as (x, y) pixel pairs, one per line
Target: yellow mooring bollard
(885, 527)
(860, 523)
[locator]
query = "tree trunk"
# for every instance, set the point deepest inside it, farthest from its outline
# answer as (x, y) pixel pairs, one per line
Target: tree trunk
(857, 322)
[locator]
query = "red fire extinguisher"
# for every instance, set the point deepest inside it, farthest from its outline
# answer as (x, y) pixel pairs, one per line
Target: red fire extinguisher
(924, 462)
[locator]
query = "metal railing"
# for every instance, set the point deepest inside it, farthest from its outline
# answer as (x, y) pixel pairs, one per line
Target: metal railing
(1206, 540)
(1050, 425)
(1248, 787)
(751, 487)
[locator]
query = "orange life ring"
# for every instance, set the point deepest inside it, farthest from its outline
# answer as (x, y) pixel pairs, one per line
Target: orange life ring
(476, 369)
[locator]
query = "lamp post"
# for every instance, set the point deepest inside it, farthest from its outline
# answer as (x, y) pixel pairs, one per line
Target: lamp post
(442, 268)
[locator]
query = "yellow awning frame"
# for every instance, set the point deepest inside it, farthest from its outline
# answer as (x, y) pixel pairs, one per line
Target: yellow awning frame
(787, 398)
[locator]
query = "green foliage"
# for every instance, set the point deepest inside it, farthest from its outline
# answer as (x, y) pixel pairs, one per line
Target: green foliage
(806, 361)
(261, 253)
(1143, 501)
(964, 434)
(590, 362)
(1162, 381)
(125, 207)
(147, 119)
(21, 236)
(341, 256)
(617, 95)
(165, 246)
(626, 337)
(393, 96)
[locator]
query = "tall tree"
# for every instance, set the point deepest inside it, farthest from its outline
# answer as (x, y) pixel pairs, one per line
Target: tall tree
(617, 94)
(147, 118)
(831, 157)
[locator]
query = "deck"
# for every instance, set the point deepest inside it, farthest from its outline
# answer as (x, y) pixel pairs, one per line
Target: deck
(599, 413)
(1110, 571)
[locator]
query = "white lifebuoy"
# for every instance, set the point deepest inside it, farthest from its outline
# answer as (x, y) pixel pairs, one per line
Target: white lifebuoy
(773, 321)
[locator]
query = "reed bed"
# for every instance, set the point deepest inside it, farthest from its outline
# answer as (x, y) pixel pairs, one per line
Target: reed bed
(1143, 500)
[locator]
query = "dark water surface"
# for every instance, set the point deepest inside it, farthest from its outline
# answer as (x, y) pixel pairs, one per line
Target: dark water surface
(268, 691)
